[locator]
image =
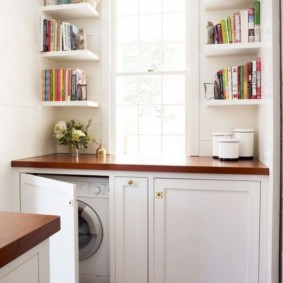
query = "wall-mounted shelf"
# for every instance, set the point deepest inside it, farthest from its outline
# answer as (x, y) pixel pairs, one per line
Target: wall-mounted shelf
(242, 49)
(71, 11)
(216, 5)
(73, 55)
(81, 103)
(237, 102)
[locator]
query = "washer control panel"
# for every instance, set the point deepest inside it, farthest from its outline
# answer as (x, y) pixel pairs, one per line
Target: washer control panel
(92, 189)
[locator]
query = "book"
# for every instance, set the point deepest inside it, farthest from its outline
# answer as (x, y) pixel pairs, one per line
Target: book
(251, 28)
(246, 80)
(235, 92)
(229, 83)
(254, 79)
(220, 80)
(237, 27)
(244, 26)
(229, 29)
(249, 80)
(219, 33)
(242, 82)
(224, 30)
(258, 77)
(257, 20)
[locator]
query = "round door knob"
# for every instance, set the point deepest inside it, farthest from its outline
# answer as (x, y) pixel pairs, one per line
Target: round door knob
(130, 182)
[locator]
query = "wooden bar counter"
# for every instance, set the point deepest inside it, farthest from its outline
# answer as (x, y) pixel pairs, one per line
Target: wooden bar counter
(111, 162)
(21, 232)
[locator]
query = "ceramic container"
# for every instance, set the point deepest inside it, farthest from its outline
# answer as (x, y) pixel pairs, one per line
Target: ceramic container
(228, 149)
(246, 139)
(215, 138)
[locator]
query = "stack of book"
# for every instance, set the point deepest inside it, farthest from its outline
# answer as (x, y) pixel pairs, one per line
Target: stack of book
(239, 82)
(61, 36)
(240, 27)
(64, 85)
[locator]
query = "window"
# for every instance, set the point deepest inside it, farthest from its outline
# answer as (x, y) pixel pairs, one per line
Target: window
(150, 77)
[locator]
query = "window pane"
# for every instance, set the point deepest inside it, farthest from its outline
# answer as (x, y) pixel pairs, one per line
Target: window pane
(173, 146)
(150, 119)
(150, 145)
(150, 57)
(174, 56)
(127, 90)
(150, 6)
(170, 32)
(127, 29)
(150, 89)
(173, 6)
(126, 7)
(127, 58)
(150, 28)
(126, 144)
(126, 120)
(173, 120)
(173, 89)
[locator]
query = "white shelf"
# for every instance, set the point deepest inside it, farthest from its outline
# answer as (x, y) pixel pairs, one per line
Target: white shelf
(74, 55)
(81, 103)
(237, 102)
(216, 5)
(70, 11)
(242, 49)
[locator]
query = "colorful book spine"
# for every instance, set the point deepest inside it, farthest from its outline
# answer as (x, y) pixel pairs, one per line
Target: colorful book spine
(257, 20)
(229, 29)
(258, 78)
(246, 81)
(224, 31)
(237, 27)
(251, 25)
(235, 92)
(244, 26)
(219, 32)
(254, 79)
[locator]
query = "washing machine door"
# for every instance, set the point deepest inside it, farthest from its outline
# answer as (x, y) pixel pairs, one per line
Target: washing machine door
(90, 231)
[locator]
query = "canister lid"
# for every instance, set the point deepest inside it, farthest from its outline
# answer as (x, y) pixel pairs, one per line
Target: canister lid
(221, 134)
(243, 130)
(228, 140)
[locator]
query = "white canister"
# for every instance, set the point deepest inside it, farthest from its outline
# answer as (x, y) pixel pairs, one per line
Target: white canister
(246, 139)
(215, 138)
(228, 149)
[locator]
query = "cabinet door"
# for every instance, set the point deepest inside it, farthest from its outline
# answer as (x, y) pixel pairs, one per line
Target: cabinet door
(131, 229)
(206, 231)
(46, 196)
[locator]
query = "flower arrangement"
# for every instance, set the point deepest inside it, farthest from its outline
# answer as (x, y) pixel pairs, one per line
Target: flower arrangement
(73, 134)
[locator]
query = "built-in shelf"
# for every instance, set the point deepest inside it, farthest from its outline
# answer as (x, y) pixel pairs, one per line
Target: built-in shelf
(73, 55)
(83, 103)
(216, 5)
(237, 102)
(71, 11)
(232, 49)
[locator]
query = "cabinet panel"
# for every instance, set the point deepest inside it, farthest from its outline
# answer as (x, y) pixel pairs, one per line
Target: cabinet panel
(46, 196)
(131, 229)
(206, 231)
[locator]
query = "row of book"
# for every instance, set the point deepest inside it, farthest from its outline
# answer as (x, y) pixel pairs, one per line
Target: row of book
(64, 85)
(61, 36)
(240, 27)
(239, 82)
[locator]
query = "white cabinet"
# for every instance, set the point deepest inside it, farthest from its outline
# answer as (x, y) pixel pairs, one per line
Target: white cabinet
(206, 231)
(131, 229)
(46, 196)
(31, 267)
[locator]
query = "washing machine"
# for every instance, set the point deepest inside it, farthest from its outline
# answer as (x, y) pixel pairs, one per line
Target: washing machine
(93, 227)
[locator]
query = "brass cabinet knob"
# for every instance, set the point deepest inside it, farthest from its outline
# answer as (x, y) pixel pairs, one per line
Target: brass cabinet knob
(130, 182)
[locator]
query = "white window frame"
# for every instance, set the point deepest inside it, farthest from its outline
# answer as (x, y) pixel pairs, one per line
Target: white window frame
(192, 79)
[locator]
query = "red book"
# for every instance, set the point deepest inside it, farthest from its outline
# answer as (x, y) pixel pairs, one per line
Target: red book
(219, 33)
(258, 78)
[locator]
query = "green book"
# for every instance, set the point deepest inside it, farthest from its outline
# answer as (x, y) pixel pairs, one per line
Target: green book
(229, 24)
(257, 20)
(224, 30)
(242, 81)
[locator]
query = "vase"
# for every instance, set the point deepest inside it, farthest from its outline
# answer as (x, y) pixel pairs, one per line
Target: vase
(74, 151)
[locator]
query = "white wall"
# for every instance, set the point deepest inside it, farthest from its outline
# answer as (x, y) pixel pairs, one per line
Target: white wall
(25, 126)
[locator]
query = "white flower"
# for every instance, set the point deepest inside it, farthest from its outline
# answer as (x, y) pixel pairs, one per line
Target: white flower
(60, 128)
(76, 134)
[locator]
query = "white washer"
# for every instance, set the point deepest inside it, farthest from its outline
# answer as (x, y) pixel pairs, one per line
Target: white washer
(93, 227)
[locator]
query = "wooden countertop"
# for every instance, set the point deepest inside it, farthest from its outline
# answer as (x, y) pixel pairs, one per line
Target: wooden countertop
(111, 162)
(20, 232)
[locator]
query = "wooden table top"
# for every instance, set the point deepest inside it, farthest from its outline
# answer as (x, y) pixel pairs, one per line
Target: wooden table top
(111, 162)
(20, 232)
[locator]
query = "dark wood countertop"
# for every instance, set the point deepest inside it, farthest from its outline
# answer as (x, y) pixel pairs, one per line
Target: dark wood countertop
(111, 162)
(20, 232)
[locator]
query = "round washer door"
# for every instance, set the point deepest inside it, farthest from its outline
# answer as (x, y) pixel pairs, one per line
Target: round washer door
(90, 231)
